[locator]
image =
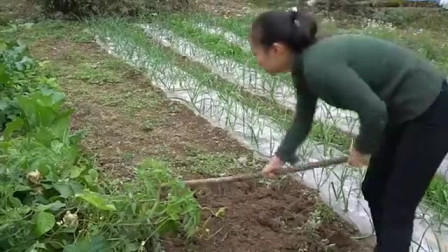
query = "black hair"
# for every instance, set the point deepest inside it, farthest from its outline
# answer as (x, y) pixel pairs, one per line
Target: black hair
(295, 29)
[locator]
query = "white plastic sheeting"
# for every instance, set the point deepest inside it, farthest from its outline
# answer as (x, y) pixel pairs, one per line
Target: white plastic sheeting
(250, 79)
(229, 36)
(338, 187)
(444, 3)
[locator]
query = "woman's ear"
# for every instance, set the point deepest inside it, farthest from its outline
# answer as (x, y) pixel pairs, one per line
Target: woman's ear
(279, 48)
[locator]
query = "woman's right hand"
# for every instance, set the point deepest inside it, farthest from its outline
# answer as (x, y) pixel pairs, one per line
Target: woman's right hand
(270, 169)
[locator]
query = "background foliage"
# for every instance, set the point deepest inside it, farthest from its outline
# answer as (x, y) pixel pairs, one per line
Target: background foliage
(81, 8)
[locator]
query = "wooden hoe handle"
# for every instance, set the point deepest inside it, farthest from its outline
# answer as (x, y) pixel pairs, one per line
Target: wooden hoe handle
(303, 167)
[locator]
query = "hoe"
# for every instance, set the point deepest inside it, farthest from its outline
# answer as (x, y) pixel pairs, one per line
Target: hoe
(298, 168)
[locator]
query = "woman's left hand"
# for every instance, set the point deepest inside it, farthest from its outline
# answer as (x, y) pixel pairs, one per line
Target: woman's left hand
(358, 159)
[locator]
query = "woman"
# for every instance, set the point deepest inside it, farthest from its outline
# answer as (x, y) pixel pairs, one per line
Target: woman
(401, 101)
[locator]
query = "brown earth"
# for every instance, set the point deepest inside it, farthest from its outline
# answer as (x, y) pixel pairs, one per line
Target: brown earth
(126, 120)
(285, 216)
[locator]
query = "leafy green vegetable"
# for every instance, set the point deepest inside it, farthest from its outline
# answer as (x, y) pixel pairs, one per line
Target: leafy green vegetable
(96, 244)
(51, 196)
(44, 222)
(96, 200)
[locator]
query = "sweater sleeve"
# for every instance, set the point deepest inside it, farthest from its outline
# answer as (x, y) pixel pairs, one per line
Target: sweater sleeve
(341, 84)
(301, 126)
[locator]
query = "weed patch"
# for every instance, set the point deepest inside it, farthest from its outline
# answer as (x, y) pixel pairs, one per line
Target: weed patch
(52, 195)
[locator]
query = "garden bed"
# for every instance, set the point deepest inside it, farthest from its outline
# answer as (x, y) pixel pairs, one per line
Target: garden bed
(170, 106)
(285, 216)
(128, 120)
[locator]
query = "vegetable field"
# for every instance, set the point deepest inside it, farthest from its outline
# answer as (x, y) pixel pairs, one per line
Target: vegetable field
(96, 115)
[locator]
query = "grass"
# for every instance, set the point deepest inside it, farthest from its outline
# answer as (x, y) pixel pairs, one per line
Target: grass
(437, 196)
(216, 164)
(50, 30)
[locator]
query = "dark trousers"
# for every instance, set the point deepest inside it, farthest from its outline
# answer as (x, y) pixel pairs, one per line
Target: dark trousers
(400, 172)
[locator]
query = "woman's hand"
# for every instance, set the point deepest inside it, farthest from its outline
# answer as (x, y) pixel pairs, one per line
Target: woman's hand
(274, 164)
(357, 159)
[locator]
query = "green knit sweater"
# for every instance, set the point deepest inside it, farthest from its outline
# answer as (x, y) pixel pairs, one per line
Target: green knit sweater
(380, 81)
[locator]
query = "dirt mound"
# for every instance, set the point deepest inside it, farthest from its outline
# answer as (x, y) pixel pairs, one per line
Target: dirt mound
(255, 217)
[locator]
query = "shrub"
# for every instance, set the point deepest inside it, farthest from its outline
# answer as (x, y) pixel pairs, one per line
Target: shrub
(82, 8)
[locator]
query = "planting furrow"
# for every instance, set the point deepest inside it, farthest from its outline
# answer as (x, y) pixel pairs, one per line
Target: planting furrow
(338, 187)
(249, 79)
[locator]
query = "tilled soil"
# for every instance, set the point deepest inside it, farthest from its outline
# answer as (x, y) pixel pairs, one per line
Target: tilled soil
(250, 216)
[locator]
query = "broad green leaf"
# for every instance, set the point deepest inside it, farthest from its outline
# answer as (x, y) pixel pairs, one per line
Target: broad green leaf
(19, 187)
(44, 223)
(55, 206)
(4, 227)
(15, 202)
(61, 125)
(76, 171)
(40, 109)
(169, 226)
(64, 189)
(36, 246)
(3, 105)
(4, 76)
(15, 125)
(96, 200)
(56, 97)
(96, 244)
(3, 46)
(94, 174)
(92, 178)
(44, 135)
(57, 146)
(29, 109)
(68, 229)
(76, 187)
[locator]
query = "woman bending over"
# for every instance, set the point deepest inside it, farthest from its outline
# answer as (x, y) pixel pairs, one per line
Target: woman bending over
(401, 101)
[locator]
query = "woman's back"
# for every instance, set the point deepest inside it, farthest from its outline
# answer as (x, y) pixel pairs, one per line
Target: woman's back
(407, 83)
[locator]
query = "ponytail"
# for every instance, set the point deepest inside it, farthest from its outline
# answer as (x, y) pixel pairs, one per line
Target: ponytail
(295, 29)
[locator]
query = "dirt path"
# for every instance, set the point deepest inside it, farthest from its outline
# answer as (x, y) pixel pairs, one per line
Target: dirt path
(126, 119)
